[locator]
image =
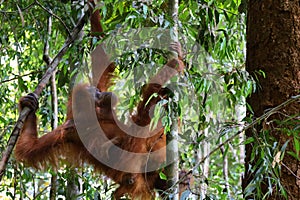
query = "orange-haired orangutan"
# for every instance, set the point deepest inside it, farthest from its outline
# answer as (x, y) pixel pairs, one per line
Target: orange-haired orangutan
(92, 134)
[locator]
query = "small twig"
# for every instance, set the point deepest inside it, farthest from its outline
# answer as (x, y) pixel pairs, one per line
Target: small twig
(19, 76)
(44, 8)
(60, 54)
(55, 16)
(297, 177)
(21, 15)
(23, 9)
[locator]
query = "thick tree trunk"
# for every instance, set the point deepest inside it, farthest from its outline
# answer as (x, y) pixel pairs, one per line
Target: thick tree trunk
(273, 46)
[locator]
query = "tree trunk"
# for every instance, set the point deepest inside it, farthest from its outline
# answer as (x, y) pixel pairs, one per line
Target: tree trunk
(273, 42)
(172, 170)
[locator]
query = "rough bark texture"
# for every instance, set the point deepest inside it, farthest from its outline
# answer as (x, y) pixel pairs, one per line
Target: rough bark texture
(273, 46)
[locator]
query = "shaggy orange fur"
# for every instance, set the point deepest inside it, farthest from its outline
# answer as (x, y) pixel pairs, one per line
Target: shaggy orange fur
(65, 142)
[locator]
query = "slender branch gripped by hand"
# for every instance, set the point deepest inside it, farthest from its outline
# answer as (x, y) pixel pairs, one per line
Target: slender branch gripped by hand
(42, 84)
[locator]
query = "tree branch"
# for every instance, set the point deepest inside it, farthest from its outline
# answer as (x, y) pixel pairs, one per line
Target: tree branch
(54, 15)
(16, 76)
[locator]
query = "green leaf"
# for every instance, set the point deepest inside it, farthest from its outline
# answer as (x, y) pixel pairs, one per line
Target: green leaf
(261, 72)
(145, 9)
(121, 9)
(3, 120)
(284, 146)
(248, 140)
(21, 84)
(293, 154)
(162, 176)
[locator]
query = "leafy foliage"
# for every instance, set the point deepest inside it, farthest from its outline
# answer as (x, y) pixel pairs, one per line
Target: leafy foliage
(268, 154)
(210, 96)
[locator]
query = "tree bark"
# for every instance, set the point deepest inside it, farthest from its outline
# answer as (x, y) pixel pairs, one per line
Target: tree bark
(54, 123)
(273, 41)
